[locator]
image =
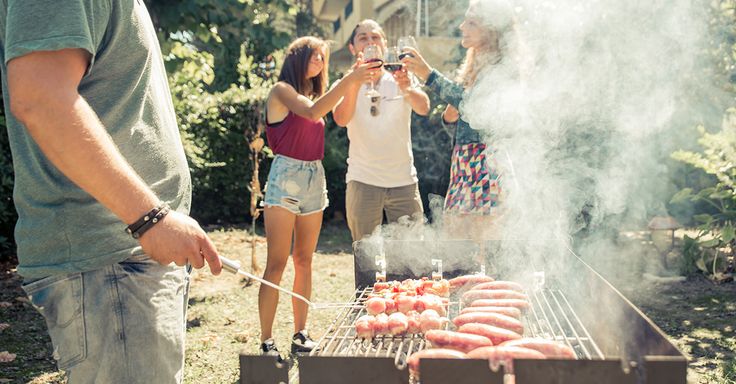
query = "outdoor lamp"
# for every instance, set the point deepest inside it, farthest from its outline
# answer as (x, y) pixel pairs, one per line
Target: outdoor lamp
(662, 232)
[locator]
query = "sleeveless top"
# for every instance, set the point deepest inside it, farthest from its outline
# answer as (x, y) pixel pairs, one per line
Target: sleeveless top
(297, 137)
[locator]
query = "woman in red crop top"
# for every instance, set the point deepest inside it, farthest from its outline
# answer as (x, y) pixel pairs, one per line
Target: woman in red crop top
(296, 192)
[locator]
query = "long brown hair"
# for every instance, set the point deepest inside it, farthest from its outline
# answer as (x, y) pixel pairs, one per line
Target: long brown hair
(296, 62)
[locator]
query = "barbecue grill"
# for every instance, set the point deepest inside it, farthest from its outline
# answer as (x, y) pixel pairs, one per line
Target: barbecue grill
(614, 341)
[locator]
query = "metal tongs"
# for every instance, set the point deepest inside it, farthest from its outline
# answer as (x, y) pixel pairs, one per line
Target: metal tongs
(233, 266)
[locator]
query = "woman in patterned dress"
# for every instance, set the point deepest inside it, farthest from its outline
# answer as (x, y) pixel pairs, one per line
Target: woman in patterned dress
(475, 183)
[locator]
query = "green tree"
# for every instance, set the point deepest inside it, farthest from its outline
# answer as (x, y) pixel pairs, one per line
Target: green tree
(711, 189)
(222, 27)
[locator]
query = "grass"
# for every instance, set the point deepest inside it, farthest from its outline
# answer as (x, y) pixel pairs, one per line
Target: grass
(699, 317)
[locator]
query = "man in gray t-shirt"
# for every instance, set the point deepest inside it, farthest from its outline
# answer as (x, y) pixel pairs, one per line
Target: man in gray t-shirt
(96, 148)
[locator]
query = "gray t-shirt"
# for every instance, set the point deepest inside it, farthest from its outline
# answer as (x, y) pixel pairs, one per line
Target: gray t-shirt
(61, 228)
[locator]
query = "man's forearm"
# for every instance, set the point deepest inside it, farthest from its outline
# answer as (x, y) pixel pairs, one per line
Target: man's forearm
(72, 137)
(418, 100)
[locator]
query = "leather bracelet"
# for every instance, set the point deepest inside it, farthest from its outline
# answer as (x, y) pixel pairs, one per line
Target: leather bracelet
(148, 220)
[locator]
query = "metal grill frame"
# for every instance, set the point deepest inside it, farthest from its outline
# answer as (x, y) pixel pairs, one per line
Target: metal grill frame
(643, 355)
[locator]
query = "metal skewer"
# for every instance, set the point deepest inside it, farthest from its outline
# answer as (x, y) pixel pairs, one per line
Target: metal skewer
(233, 266)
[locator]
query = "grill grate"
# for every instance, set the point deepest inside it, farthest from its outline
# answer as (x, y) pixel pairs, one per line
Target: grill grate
(340, 338)
(638, 353)
(551, 317)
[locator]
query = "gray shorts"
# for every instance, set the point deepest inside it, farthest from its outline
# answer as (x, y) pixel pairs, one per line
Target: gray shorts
(296, 185)
(124, 323)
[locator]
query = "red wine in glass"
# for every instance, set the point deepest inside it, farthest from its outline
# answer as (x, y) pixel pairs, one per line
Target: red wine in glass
(405, 54)
(393, 67)
(372, 54)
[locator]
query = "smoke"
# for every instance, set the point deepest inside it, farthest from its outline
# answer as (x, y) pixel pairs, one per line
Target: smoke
(582, 112)
(582, 136)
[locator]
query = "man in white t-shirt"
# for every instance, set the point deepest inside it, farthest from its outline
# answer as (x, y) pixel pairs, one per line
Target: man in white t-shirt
(381, 174)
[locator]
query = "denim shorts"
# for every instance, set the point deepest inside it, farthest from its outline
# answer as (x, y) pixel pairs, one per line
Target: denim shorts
(296, 185)
(123, 323)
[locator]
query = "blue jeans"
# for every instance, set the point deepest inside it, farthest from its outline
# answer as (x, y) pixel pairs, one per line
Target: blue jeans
(299, 186)
(124, 323)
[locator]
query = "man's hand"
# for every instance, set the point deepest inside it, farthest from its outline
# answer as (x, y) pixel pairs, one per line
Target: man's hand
(179, 239)
(402, 79)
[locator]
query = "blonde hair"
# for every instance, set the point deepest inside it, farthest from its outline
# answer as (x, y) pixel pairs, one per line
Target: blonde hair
(503, 27)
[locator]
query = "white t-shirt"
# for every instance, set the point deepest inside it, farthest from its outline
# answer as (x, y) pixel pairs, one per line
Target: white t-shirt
(380, 151)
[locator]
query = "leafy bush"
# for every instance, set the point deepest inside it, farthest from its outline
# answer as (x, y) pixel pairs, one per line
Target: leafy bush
(716, 231)
(335, 164)
(216, 130)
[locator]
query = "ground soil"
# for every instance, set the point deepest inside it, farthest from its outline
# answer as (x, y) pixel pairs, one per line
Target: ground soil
(698, 316)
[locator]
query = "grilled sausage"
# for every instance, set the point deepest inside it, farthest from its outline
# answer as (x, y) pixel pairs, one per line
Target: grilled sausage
(500, 284)
(504, 355)
(550, 349)
(508, 311)
(490, 318)
(435, 353)
(398, 323)
(521, 304)
(375, 305)
(497, 335)
(473, 295)
(460, 281)
(463, 342)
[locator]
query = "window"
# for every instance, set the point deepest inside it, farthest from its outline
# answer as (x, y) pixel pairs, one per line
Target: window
(349, 9)
(336, 25)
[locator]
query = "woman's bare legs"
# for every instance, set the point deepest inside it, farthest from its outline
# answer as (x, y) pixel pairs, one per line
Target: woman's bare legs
(306, 234)
(279, 224)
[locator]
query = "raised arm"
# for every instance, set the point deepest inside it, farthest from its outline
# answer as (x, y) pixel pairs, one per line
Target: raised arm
(44, 97)
(314, 110)
(436, 83)
(345, 108)
(417, 98)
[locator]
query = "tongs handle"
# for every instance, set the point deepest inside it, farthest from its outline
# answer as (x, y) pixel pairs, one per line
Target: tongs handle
(232, 266)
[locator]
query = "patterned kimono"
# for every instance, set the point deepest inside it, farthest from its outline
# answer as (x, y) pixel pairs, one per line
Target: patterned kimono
(474, 179)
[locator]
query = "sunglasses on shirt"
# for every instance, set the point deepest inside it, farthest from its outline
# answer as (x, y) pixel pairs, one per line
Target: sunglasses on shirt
(374, 105)
(375, 101)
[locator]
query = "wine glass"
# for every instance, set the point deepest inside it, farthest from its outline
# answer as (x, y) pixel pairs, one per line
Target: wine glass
(392, 61)
(403, 43)
(406, 42)
(372, 53)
